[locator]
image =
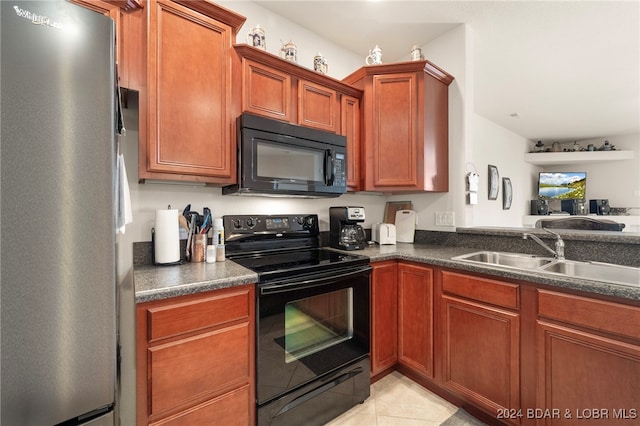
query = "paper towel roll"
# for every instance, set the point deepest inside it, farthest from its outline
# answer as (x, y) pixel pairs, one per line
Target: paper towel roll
(167, 237)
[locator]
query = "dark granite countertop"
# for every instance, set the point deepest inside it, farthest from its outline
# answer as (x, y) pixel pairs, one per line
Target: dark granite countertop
(160, 282)
(441, 256)
(163, 282)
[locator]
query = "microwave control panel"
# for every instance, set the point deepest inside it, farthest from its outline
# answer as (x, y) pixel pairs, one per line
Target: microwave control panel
(340, 170)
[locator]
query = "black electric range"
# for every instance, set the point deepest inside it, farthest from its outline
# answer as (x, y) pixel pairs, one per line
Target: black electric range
(282, 246)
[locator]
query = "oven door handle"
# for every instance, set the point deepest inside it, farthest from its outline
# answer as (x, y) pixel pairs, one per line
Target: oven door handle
(318, 280)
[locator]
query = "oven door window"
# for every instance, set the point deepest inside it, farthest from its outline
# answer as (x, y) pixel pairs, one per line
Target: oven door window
(288, 162)
(316, 323)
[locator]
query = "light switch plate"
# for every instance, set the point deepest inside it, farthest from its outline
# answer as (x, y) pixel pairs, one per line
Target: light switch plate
(445, 218)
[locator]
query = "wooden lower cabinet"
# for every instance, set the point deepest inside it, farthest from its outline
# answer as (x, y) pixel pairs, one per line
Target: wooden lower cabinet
(480, 351)
(509, 352)
(195, 359)
(384, 316)
(415, 318)
(588, 361)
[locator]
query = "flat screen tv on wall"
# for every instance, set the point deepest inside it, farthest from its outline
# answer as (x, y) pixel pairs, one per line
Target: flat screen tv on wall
(562, 185)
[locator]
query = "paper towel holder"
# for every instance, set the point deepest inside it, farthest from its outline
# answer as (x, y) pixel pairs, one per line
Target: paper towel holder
(153, 252)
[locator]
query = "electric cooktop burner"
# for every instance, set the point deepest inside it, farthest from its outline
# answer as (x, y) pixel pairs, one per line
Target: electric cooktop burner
(295, 261)
(282, 246)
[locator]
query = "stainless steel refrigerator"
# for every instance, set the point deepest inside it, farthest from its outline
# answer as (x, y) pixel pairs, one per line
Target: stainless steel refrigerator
(58, 290)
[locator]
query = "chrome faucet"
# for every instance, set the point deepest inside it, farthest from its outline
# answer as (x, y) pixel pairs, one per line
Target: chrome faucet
(558, 253)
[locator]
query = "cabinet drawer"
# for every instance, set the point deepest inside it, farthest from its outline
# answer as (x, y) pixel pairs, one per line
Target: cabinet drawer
(185, 370)
(481, 289)
(595, 314)
(197, 314)
(230, 409)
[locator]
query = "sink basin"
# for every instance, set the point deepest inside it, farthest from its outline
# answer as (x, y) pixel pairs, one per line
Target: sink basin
(597, 271)
(605, 272)
(514, 260)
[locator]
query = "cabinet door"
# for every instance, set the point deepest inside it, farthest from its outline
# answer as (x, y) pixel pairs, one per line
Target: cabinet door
(189, 107)
(266, 91)
(393, 152)
(480, 354)
(587, 378)
(384, 316)
(350, 127)
(415, 318)
(317, 106)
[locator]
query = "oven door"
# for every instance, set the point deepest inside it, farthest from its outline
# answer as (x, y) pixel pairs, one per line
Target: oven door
(310, 326)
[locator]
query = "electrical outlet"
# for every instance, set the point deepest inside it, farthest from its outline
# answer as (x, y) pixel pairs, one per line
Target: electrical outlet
(445, 218)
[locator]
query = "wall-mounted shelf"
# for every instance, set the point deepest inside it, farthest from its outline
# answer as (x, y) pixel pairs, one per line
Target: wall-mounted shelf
(544, 158)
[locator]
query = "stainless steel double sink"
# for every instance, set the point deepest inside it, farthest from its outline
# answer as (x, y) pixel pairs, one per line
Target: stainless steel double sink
(596, 271)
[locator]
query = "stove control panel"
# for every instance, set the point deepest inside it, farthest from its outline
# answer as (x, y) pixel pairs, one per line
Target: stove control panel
(241, 226)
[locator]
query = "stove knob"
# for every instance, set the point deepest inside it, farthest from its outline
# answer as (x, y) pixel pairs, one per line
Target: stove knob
(237, 223)
(300, 220)
(251, 222)
(309, 221)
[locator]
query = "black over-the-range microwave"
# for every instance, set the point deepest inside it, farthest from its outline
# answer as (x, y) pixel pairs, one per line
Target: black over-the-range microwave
(281, 159)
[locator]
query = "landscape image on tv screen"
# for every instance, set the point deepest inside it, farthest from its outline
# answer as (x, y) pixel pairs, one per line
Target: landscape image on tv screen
(562, 185)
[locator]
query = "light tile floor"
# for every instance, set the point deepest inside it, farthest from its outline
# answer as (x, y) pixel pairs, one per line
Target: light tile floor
(397, 401)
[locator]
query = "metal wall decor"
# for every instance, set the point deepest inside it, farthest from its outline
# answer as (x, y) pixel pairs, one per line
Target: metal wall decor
(494, 182)
(507, 193)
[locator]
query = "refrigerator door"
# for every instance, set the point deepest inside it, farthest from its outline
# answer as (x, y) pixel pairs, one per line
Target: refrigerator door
(58, 289)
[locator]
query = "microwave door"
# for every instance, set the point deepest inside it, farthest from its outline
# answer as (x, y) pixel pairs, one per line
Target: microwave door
(285, 164)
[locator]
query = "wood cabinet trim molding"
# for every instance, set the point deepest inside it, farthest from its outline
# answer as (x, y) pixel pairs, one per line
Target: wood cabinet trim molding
(217, 12)
(400, 67)
(269, 59)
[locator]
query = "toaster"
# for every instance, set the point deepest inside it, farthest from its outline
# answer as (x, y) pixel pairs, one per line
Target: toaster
(383, 233)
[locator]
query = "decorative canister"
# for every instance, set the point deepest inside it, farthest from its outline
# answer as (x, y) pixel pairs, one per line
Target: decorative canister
(416, 53)
(374, 57)
(257, 38)
(289, 51)
(320, 64)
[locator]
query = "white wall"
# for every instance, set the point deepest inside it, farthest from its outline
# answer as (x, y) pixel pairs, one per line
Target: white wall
(504, 149)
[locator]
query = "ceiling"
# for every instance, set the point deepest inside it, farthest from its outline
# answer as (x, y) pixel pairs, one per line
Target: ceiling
(570, 70)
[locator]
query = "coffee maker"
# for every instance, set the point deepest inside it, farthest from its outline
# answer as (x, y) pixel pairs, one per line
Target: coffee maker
(345, 231)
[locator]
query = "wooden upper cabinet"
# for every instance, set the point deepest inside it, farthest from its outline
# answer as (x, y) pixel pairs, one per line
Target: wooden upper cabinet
(318, 106)
(189, 109)
(283, 90)
(405, 141)
(266, 91)
(350, 127)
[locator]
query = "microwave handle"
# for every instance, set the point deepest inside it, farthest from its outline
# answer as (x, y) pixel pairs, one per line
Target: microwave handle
(329, 167)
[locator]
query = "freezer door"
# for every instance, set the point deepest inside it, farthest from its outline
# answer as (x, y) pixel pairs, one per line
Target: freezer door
(58, 290)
